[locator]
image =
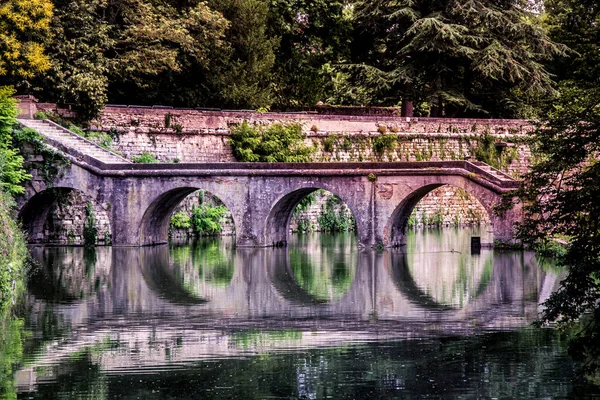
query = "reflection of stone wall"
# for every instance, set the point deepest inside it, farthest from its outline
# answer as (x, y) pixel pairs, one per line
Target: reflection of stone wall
(66, 217)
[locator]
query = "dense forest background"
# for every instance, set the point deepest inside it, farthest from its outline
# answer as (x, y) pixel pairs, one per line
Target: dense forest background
(483, 58)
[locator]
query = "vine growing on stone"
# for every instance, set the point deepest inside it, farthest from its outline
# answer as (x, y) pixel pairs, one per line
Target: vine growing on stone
(90, 230)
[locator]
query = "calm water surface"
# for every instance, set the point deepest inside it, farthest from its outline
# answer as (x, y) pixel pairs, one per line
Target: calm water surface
(322, 319)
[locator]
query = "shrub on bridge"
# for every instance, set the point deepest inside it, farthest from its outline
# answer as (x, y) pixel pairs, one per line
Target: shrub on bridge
(274, 143)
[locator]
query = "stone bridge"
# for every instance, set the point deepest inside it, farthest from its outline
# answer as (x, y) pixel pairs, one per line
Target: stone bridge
(140, 198)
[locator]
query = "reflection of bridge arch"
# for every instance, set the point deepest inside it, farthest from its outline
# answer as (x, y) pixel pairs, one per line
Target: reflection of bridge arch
(406, 283)
(395, 229)
(277, 226)
(282, 277)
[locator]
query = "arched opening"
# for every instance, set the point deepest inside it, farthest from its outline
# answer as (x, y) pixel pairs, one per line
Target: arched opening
(65, 216)
(185, 213)
(439, 206)
(308, 210)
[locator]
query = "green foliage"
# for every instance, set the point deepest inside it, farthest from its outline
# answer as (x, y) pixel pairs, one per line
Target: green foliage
(305, 204)
(90, 231)
(13, 255)
(23, 30)
(314, 37)
(32, 143)
(181, 220)
(384, 143)
(333, 217)
(481, 56)
(372, 177)
(104, 47)
(561, 192)
(11, 354)
(206, 219)
(246, 64)
(275, 143)
(12, 173)
(145, 158)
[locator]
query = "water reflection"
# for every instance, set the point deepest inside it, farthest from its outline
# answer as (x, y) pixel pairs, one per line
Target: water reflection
(172, 313)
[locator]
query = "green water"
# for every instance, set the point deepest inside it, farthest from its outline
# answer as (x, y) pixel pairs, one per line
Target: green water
(321, 319)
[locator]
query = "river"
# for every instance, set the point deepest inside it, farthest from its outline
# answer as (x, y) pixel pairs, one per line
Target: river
(320, 319)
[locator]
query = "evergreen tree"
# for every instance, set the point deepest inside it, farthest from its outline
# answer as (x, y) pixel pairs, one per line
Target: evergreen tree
(482, 56)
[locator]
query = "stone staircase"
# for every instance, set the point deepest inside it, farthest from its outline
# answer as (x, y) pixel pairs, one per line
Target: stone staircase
(493, 171)
(55, 133)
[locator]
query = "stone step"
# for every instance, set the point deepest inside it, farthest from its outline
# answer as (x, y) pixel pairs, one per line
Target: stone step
(72, 140)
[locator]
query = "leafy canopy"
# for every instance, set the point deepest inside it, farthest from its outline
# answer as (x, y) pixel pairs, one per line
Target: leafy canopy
(24, 26)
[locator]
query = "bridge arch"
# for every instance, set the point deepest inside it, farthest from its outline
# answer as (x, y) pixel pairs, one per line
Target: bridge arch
(155, 222)
(396, 226)
(277, 225)
(38, 217)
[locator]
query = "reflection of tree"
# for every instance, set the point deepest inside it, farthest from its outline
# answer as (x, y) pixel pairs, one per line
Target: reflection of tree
(322, 265)
(11, 355)
(204, 265)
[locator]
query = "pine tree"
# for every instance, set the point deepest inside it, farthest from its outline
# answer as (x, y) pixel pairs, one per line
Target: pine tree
(483, 56)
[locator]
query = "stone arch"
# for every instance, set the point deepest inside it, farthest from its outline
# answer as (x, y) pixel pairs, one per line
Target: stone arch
(277, 225)
(397, 223)
(35, 218)
(154, 225)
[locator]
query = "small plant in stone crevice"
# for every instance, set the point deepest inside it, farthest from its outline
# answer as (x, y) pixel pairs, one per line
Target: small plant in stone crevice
(384, 143)
(90, 230)
(145, 158)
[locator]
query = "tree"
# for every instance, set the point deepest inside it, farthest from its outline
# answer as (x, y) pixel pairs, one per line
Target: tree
(242, 74)
(562, 190)
(119, 49)
(481, 56)
(23, 28)
(313, 36)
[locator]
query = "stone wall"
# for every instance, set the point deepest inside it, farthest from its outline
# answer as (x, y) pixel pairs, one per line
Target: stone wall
(448, 206)
(66, 217)
(189, 135)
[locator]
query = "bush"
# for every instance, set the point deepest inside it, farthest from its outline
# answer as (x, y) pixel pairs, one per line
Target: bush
(145, 158)
(181, 220)
(206, 219)
(275, 143)
(13, 255)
